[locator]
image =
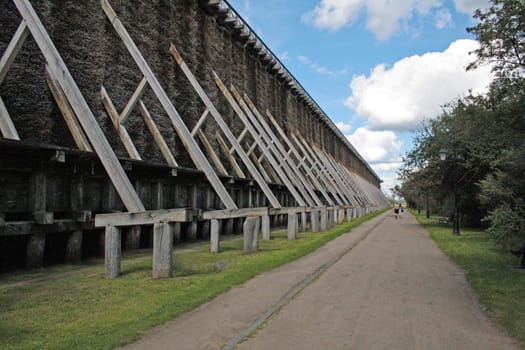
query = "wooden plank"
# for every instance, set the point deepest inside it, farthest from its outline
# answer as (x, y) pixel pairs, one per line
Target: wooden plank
(228, 155)
(60, 73)
(225, 129)
(259, 166)
(121, 129)
(234, 213)
(143, 218)
(157, 136)
(13, 49)
(133, 101)
(214, 157)
(6, 124)
(69, 115)
(194, 151)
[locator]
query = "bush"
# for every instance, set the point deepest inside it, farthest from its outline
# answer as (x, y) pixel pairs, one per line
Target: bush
(507, 224)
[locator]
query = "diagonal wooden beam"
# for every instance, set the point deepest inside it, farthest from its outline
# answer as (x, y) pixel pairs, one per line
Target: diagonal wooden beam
(121, 129)
(12, 49)
(228, 155)
(157, 136)
(59, 71)
(194, 151)
(225, 129)
(214, 157)
(69, 115)
(7, 128)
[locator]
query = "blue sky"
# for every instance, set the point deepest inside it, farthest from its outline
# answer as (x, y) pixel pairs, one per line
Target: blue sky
(378, 68)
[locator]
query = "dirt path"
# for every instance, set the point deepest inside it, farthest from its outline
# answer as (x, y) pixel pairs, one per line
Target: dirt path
(385, 285)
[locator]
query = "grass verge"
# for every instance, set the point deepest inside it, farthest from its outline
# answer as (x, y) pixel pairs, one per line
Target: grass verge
(72, 307)
(491, 272)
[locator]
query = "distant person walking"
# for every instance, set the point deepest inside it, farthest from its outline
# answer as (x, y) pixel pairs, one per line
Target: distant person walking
(401, 210)
(396, 210)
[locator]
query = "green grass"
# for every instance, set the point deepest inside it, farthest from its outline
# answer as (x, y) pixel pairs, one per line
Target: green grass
(71, 307)
(491, 272)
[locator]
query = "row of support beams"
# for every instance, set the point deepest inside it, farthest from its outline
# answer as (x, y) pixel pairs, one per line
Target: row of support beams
(225, 129)
(182, 131)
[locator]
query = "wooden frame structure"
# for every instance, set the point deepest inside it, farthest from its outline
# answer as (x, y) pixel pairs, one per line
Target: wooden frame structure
(323, 190)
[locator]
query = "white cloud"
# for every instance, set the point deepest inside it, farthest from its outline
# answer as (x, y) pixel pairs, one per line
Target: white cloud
(376, 146)
(384, 17)
(343, 127)
(416, 87)
(469, 6)
(321, 69)
(443, 18)
(284, 56)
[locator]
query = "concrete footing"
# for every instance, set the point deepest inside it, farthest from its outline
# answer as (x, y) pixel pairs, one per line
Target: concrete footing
(323, 220)
(265, 227)
(292, 226)
(112, 248)
(214, 236)
(314, 220)
(251, 229)
(304, 223)
(162, 250)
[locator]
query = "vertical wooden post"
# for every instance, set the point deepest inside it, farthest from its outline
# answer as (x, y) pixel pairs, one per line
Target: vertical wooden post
(175, 229)
(162, 250)
(38, 199)
(349, 215)
(251, 228)
(324, 219)
(214, 236)
(74, 248)
(304, 223)
(133, 238)
(265, 227)
(112, 252)
(292, 226)
(35, 251)
(314, 220)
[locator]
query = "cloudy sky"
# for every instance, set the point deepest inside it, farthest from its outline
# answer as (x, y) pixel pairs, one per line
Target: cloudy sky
(378, 68)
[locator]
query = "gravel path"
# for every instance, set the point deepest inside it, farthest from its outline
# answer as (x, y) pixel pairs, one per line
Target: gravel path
(385, 285)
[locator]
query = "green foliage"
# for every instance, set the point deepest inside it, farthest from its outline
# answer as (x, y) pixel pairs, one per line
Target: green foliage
(508, 224)
(501, 32)
(484, 135)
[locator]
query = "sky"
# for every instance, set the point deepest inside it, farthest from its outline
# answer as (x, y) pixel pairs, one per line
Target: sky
(378, 68)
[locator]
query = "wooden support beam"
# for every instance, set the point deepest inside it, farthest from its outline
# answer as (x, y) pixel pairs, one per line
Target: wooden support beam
(143, 218)
(258, 139)
(59, 71)
(228, 155)
(301, 160)
(112, 252)
(121, 129)
(12, 49)
(225, 129)
(292, 169)
(69, 115)
(200, 122)
(184, 134)
(133, 101)
(214, 157)
(7, 128)
(157, 136)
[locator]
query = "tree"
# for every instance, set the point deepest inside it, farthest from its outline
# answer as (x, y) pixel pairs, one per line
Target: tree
(501, 33)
